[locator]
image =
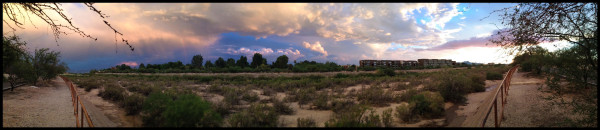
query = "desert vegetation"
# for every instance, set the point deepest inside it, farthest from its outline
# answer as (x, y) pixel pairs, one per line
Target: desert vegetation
(255, 101)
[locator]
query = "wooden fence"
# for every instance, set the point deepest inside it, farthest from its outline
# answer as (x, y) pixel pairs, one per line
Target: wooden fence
(76, 105)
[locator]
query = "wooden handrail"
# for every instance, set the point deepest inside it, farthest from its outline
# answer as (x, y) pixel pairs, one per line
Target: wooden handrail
(503, 90)
(76, 100)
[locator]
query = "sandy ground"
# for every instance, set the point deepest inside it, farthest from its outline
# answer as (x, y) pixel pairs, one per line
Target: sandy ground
(44, 106)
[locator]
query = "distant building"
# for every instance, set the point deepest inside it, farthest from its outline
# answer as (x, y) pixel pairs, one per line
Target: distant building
(436, 62)
(404, 63)
(380, 63)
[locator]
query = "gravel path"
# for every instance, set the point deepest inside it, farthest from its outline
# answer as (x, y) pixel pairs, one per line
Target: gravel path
(46, 106)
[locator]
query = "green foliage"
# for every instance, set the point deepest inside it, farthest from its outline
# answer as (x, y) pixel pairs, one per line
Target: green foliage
(339, 106)
(196, 61)
(386, 72)
(250, 96)
(242, 62)
(404, 113)
(231, 62)
(477, 84)
(257, 60)
(493, 76)
(133, 103)
(386, 117)
(281, 62)
(220, 63)
(257, 115)
(454, 86)
(375, 95)
(47, 65)
(89, 85)
(320, 102)
(428, 104)
(353, 117)
(190, 111)
(208, 64)
(112, 92)
(153, 108)
(282, 108)
(306, 122)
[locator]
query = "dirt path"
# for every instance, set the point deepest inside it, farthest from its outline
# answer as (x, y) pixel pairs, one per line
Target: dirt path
(45, 106)
(526, 107)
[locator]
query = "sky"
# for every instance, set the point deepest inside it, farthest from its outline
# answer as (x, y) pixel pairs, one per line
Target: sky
(340, 32)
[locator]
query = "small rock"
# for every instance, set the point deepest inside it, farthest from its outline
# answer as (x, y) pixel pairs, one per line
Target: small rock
(33, 86)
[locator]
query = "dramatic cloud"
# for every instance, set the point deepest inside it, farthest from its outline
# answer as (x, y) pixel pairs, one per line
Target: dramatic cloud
(473, 42)
(291, 53)
(339, 32)
(316, 46)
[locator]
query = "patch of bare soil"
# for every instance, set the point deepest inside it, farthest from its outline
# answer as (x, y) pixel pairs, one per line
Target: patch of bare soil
(38, 106)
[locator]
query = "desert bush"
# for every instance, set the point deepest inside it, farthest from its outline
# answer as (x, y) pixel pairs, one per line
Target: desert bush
(428, 104)
(250, 96)
(353, 117)
(257, 115)
(477, 84)
(375, 95)
(321, 101)
(133, 103)
(493, 76)
(305, 95)
(153, 108)
(386, 72)
(191, 111)
(222, 108)
(89, 85)
(386, 117)
(338, 106)
(404, 113)
(112, 92)
(401, 86)
(282, 108)
(306, 122)
(453, 86)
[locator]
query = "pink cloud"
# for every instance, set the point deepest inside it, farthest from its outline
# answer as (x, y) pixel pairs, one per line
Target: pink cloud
(129, 63)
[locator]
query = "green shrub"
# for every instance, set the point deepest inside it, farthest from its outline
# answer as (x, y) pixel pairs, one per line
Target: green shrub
(153, 108)
(338, 106)
(375, 95)
(428, 104)
(353, 117)
(89, 85)
(250, 96)
(386, 72)
(112, 92)
(493, 76)
(257, 115)
(133, 103)
(306, 122)
(321, 101)
(386, 117)
(191, 111)
(478, 84)
(404, 113)
(305, 95)
(222, 108)
(409, 93)
(282, 108)
(454, 86)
